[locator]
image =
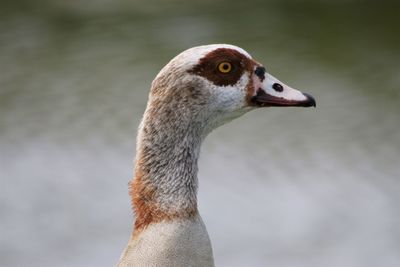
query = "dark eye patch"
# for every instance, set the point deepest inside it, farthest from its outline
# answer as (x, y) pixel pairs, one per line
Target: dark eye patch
(208, 66)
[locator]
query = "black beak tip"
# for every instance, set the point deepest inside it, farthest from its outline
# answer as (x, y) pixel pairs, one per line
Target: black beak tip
(310, 101)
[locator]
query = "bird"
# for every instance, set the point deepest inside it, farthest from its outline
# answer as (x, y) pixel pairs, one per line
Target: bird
(199, 90)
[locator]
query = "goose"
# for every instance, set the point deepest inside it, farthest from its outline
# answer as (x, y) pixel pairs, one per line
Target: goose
(197, 91)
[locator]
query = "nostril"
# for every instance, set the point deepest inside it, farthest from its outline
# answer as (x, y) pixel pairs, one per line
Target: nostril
(277, 87)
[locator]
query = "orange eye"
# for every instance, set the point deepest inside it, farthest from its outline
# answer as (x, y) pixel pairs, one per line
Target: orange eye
(225, 67)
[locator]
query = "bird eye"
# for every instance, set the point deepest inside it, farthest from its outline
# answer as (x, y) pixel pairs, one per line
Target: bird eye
(225, 67)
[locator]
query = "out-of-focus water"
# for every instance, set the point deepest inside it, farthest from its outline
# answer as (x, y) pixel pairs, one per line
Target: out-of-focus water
(278, 187)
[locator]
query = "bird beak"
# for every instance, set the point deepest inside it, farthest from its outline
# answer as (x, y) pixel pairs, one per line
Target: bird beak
(270, 92)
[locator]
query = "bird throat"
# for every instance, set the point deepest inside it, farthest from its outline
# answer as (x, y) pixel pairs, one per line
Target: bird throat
(165, 184)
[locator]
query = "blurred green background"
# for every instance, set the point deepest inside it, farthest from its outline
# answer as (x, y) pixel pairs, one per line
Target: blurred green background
(278, 187)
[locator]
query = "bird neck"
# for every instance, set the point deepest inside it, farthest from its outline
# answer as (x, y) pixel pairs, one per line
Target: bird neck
(165, 183)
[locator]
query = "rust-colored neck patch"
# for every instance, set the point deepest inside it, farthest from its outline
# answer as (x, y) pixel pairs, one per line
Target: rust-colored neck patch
(208, 66)
(147, 209)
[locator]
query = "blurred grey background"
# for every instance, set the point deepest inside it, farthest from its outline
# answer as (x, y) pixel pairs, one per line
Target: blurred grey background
(279, 187)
